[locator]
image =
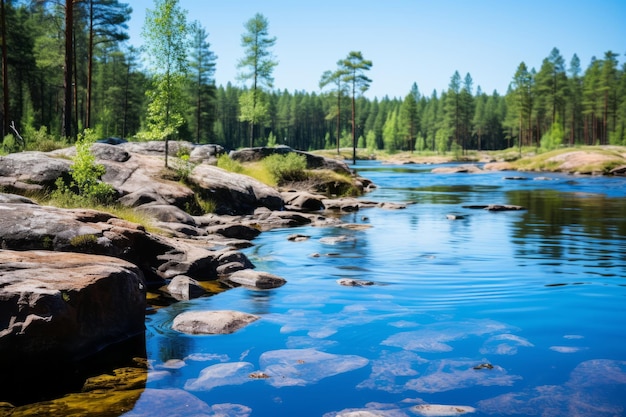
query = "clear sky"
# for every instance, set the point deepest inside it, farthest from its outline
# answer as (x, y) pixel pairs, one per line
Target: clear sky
(421, 41)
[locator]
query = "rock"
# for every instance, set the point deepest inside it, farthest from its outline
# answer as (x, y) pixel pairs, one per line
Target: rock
(206, 154)
(109, 152)
(442, 410)
(234, 231)
(620, 170)
(498, 166)
(212, 322)
(313, 161)
(139, 180)
(156, 148)
(333, 240)
(59, 305)
(347, 282)
(583, 161)
(256, 279)
(303, 201)
(391, 206)
(298, 237)
(15, 198)
(347, 204)
(29, 171)
(182, 287)
(456, 169)
(234, 193)
(495, 207)
(29, 226)
(167, 213)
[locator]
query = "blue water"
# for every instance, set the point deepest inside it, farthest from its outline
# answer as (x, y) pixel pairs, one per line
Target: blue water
(534, 299)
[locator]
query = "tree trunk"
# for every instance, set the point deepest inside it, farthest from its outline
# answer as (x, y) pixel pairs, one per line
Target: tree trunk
(5, 73)
(338, 118)
(68, 75)
(353, 125)
(89, 67)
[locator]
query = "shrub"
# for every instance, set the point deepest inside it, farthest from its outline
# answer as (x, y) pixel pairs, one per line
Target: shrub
(85, 186)
(285, 168)
(40, 140)
(225, 162)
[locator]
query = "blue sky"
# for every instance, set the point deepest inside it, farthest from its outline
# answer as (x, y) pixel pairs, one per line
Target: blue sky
(422, 41)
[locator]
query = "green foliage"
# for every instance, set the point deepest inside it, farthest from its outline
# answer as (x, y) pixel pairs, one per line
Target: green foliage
(85, 185)
(370, 141)
(286, 168)
(253, 107)
(225, 162)
(9, 144)
(41, 140)
(553, 138)
(441, 141)
(84, 242)
(457, 151)
(183, 165)
(271, 140)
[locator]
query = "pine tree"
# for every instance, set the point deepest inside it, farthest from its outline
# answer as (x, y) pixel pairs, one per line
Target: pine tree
(355, 66)
(257, 65)
(202, 71)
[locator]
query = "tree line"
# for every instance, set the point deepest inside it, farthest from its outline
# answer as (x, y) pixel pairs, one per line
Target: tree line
(67, 67)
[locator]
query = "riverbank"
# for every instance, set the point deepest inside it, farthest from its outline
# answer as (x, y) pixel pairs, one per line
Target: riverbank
(586, 160)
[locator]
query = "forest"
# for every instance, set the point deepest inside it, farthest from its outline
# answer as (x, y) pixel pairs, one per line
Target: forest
(67, 66)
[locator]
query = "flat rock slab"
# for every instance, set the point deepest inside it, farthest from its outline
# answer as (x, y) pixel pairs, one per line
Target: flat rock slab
(212, 322)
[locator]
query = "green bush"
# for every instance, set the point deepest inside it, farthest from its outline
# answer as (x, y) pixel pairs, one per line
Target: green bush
(228, 164)
(8, 144)
(285, 168)
(85, 186)
(40, 140)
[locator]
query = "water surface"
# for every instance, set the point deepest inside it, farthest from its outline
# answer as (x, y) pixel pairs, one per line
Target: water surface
(509, 313)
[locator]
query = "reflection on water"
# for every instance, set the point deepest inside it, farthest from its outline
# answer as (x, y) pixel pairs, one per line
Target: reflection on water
(496, 313)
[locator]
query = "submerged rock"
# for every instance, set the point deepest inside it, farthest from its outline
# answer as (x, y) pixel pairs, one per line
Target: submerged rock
(347, 282)
(212, 322)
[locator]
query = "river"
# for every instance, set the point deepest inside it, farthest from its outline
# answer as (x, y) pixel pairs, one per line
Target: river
(517, 313)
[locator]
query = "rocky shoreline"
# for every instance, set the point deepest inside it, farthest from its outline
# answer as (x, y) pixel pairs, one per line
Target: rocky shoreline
(74, 281)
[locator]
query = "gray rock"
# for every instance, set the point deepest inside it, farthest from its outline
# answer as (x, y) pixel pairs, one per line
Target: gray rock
(15, 198)
(303, 201)
(167, 213)
(234, 231)
(313, 161)
(182, 287)
(256, 279)
(206, 154)
(234, 193)
(212, 322)
(456, 169)
(348, 282)
(32, 168)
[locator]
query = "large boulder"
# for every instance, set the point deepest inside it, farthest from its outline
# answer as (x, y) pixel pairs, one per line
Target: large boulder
(234, 193)
(56, 305)
(312, 161)
(31, 171)
(26, 226)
